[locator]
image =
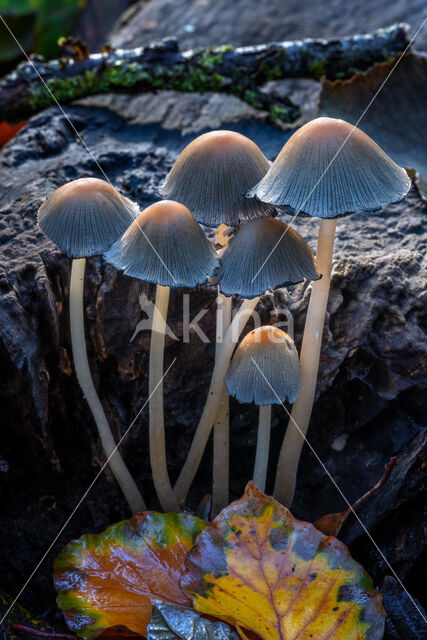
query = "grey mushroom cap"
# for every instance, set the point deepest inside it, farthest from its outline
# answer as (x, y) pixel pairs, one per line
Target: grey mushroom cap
(212, 175)
(329, 168)
(166, 246)
(265, 368)
(265, 254)
(85, 216)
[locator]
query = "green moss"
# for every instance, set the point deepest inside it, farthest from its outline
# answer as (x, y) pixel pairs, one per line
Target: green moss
(270, 73)
(319, 68)
(211, 60)
(125, 75)
(201, 76)
(279, 113)
(250, 98)
(225, 48)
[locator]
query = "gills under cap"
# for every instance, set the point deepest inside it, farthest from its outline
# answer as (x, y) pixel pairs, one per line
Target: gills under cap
(85, 216)
(212, 175)
(271, 351)
(329, 168)
(165, 246)
(265, 254)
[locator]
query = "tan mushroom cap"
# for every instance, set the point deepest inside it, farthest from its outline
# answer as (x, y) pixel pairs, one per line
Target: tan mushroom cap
(265, 254)
(329, 168)
(85, 216)
(212, 175)
(265, 368)
(166, 246)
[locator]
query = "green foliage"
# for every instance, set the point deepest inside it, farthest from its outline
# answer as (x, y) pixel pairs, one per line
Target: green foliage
(37, 25)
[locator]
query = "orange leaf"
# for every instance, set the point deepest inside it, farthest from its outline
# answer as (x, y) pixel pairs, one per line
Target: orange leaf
(107, 580)
(259, 568)
(8, 131)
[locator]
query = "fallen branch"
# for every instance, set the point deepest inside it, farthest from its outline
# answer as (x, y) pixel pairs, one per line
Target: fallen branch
(239, 71)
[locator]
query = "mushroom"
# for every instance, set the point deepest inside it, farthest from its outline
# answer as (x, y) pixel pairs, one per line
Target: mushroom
(211, 176)
(327, 169)
(248, 250)
(163, 246)
(266, 356)
(265, 254)
(83, 218)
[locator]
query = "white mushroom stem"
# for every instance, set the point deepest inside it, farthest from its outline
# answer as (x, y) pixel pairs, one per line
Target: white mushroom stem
(210, 410)
(309, 364)
(221, 433)
(262, 447)
(156, 414)
(84, 376)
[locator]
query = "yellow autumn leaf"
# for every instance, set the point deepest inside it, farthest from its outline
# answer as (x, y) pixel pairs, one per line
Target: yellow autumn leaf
(261, 569)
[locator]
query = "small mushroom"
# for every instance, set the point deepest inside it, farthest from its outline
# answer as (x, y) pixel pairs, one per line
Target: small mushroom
(244, 256)
(211, 176)
(327, 169)
(264, 370)
(83, 218)
(163, 246)
(265, 254)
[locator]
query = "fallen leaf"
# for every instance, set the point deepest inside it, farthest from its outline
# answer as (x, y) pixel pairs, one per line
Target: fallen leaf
(171, 623)
(9, 131)
(108, 580)
(396, 118)
(259, 568)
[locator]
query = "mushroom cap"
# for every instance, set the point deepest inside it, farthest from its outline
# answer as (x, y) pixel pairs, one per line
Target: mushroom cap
(329, 168)
(165, 246)
(265, 254)
(274, 352)
(85, 216)
(212, 175)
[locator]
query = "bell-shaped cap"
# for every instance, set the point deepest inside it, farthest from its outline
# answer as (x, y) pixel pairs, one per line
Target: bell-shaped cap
(212, 175)
(329, 168)
(165, 246)
(264, 368)
(265, 254)
(85, 216)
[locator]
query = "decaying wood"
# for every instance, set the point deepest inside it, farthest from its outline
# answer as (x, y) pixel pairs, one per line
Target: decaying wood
(240, 71)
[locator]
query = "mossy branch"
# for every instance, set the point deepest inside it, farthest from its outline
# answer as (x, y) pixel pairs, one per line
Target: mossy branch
(241, 71)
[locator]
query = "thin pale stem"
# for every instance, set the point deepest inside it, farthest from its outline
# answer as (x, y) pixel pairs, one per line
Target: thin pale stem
(262, 447)
(221, 433)
(221, 430)
(210, 410)
(159, 468)
(84, 376)
(309, 363)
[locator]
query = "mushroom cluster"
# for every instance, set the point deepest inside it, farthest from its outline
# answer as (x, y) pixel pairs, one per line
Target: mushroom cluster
(327, 169)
